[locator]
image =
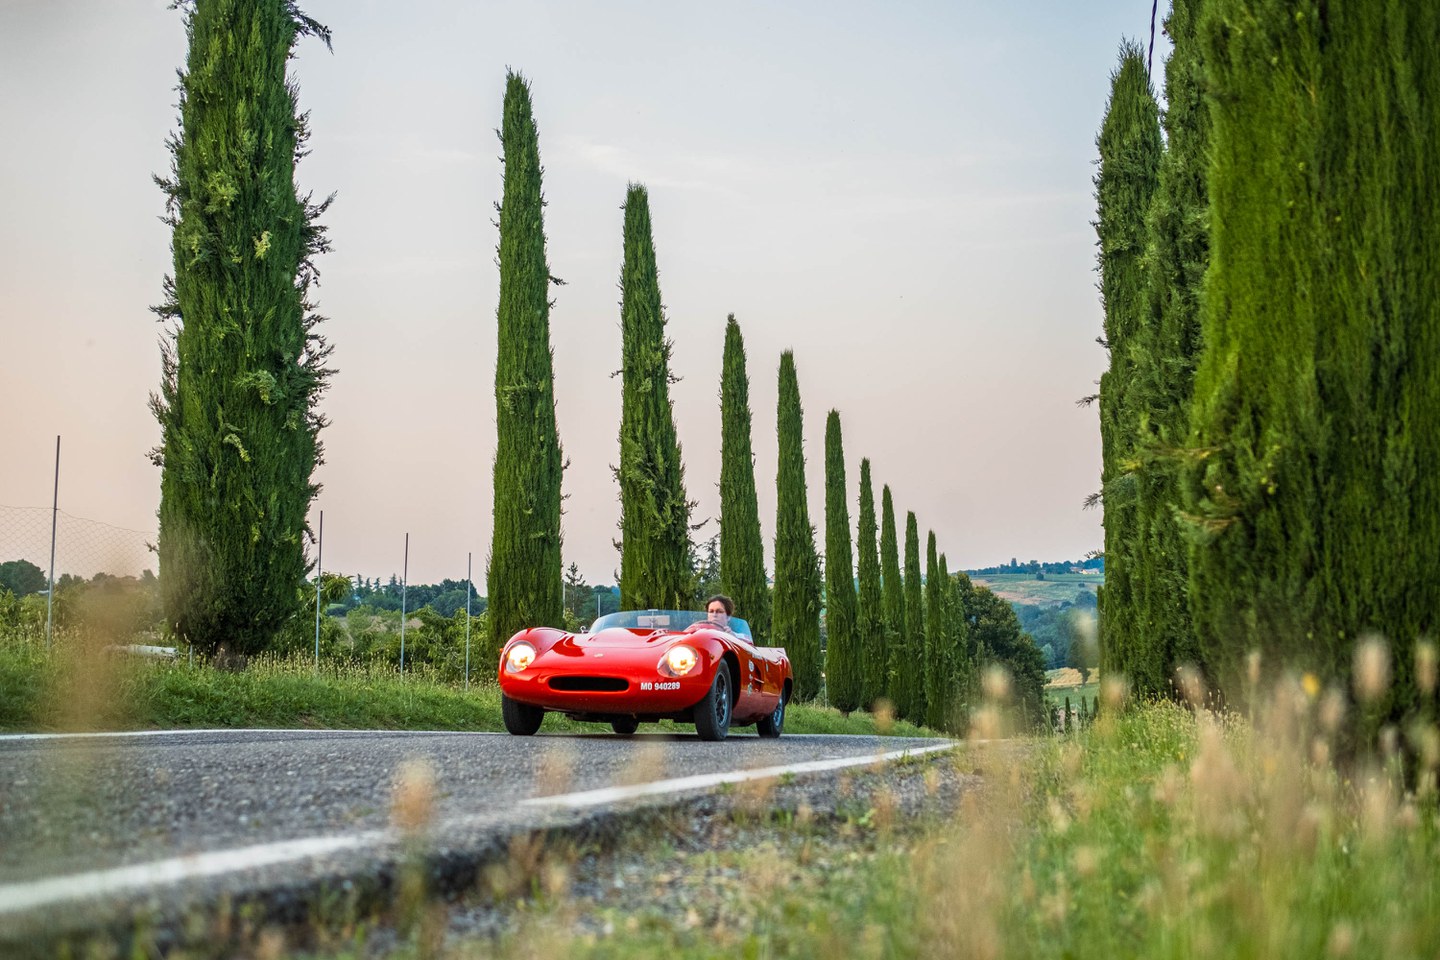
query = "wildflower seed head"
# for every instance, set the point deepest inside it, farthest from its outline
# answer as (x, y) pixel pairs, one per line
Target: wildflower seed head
(1332, 710)
(1389, 741)
(1192, 685)
(412, 802)
(1372, 669)
(1341, 942)
(884, 712)
(1426, 666)
(997, 684)
(1113, 690)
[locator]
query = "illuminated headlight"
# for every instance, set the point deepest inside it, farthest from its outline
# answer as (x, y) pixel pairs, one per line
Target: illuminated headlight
(680, 660)
(520, 656)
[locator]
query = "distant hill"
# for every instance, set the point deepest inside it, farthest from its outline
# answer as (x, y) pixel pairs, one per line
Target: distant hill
(1033, 567)
(1038, 589)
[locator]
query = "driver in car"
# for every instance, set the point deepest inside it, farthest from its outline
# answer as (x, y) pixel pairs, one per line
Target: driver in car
(718, 610)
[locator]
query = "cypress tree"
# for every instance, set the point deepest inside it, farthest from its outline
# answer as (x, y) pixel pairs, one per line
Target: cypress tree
(1168, 347)
(936, 663)
(742, 553)
(894, 590)
(1317, 501)
(870, 606)
(960, 666)
(796, 624)
(842, 654)
(654, 513)
(910, 671)
(1130, 148)
(244, 365)
(524, 581)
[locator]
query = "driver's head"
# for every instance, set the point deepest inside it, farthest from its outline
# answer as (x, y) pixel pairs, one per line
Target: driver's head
(719, 608)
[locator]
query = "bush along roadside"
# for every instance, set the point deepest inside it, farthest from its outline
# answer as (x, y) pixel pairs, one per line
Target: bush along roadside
(99, 689)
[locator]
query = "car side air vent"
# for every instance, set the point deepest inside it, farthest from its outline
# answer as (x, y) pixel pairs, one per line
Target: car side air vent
(589, 684)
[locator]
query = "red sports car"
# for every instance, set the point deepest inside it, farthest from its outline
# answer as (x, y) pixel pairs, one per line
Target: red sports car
(640, 666)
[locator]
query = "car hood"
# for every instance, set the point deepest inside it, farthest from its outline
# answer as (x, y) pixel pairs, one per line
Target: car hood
(619, 638)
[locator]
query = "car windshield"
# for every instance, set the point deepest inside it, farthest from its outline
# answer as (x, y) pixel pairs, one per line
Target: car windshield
(672, 620)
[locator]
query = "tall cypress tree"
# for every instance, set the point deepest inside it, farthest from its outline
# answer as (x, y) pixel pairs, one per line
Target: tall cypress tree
(524, 582)
(1130, 148)
(842, 654)
(894, 590)
(796, 623)
(870, 605)
(953, 659)
(742, 553)
(910, 670)
(654, 513)
(936, 664)
(1168, 347)
(244, 366)
(1317, 501)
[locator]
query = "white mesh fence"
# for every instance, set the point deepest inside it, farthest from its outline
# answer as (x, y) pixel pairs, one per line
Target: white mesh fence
(83, 547)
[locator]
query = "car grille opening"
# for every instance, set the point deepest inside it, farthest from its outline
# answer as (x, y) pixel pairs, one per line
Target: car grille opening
(589, 684)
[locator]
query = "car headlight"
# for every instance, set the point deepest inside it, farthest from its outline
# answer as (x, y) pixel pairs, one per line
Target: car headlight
(519, 656)
(680, 659)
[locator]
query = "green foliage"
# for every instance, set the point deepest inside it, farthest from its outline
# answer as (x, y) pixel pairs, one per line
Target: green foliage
(21, 577)
(894, 593)
(870, 605)
(797, 568)
(1130, 148)
(1063, 631)
(936, 663)
(908, 662)
(244, 365)
(1315, 501)
(1166, 348)
(742, 551)
(523, 577)
(996, 639)
(843, 666)
(654, 513)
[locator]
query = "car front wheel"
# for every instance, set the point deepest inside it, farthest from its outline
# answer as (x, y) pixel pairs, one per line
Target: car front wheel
(521, 719)
(712, 714)
(625, 727)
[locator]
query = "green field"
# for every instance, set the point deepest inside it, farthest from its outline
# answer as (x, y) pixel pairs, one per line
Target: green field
(1026, 588)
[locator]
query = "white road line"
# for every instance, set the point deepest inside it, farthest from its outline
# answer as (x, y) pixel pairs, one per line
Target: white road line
(54, 891)
(19, 897)
(604, 795)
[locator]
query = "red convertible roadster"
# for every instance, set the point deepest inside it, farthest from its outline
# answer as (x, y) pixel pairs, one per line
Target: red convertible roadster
(641, 666)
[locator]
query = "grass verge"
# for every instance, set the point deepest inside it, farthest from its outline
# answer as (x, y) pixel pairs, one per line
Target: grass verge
(1157, 834)
(37, 693)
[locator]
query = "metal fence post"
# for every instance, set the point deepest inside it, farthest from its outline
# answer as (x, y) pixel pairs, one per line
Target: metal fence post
(404, 583)
(319, 560)
(54, 516)
(469, 566)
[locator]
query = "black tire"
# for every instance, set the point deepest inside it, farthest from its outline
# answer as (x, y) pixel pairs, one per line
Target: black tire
(712, 714)
(521, 719)
(625, 727)
(773, 725)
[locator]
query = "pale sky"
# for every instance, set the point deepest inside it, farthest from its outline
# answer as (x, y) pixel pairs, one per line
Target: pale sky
(900, 192)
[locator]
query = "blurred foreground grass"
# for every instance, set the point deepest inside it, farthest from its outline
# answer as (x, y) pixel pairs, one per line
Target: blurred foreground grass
(78, 689)
(1156, 833)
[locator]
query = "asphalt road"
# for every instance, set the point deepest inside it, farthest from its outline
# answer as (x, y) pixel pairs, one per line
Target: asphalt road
(75, 804)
